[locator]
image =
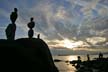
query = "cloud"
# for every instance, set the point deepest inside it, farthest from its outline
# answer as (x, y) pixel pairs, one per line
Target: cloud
(87, 10)
(80, 19)
(95, 40)
(103, 11)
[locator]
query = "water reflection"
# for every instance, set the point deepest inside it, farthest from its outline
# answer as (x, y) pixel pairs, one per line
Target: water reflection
(64, 65)
(66, 58)
(71, 58)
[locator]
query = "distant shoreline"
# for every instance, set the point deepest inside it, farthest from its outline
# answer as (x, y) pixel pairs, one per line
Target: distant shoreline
(75, 54)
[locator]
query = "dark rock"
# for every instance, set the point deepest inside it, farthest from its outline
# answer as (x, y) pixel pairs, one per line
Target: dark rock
(31, 25)
(14, 16)
(31, 55)
(57, 60)
(10, 31)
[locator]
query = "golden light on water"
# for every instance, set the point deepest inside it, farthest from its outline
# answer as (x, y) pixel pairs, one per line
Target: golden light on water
(71, 58)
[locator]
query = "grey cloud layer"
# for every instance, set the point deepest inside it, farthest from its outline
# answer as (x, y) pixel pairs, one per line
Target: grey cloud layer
(65, 18)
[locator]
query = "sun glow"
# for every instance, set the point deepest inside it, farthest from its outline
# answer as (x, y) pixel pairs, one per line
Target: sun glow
(71, 44)
(68, 44)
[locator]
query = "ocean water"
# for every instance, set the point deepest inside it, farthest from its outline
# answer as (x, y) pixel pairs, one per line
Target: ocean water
(65, 66)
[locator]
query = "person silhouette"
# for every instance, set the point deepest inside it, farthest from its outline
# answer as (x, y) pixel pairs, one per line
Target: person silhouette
(78, 62)
(88, 57)
(38, 36)
(13, 16)
(100, 55)
(31, 25)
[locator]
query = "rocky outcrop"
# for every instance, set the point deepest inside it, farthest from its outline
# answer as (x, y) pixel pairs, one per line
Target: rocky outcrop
(31, 55)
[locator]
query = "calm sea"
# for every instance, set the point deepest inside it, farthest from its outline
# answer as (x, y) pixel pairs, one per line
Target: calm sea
(64, 66)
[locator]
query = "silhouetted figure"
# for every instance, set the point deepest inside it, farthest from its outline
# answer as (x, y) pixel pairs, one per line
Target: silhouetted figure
(100, 55)
(79, 58)
(88, 57)
(14, 16)
(38, 36)
(78, 62)
(10, 31)
(31, 25)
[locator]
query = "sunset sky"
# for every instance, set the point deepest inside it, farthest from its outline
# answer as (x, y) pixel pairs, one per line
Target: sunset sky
(70, 24)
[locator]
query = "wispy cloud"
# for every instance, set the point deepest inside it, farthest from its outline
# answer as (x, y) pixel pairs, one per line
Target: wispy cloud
(80, 19)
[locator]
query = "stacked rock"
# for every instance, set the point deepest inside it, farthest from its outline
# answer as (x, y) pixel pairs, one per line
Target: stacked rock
(31, 25)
